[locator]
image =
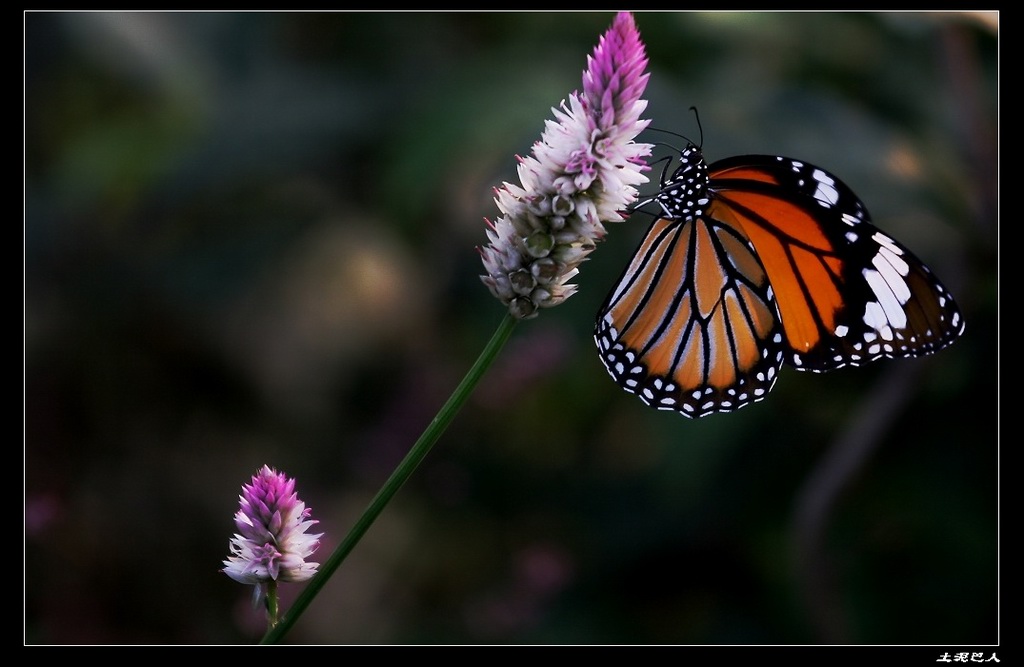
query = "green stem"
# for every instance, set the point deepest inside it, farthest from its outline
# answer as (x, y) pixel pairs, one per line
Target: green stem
(272, 602)
(398, 477)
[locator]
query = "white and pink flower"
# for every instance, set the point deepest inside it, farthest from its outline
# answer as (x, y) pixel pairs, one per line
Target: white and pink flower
(272, 543)
(582, 174)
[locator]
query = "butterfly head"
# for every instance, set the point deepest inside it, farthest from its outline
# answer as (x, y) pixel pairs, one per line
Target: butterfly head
(684, 195)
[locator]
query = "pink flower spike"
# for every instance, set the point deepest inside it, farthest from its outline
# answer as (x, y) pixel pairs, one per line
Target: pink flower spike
(271, 543)
(582, 174)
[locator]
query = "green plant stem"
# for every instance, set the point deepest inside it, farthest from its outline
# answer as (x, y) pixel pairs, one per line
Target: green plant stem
(272, 603)
(398, 477)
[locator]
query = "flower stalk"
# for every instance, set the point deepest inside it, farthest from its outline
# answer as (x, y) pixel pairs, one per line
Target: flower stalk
(402, 473)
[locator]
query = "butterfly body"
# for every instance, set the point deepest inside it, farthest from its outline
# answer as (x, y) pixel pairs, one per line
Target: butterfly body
(753, 262)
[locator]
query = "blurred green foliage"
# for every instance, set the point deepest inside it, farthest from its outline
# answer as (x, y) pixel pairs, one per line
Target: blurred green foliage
(249, 238)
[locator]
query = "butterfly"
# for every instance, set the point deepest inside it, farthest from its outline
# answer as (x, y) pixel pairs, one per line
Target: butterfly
(753, 262)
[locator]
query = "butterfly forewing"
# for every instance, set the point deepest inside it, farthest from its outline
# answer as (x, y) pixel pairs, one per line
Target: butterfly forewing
(847, 293)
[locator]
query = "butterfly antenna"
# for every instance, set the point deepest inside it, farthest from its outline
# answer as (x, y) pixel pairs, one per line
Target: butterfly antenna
(699, 127)
(674, 134)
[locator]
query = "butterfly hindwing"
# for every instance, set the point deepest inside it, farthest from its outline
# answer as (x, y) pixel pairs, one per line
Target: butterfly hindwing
(691, 325)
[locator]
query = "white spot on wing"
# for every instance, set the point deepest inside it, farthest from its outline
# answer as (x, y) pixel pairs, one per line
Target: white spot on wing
(826, 191)
(891, 307)
(874, 316)
(889, 266)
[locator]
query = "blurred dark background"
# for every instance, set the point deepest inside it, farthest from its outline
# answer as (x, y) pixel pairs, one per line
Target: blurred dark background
(249, 239)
